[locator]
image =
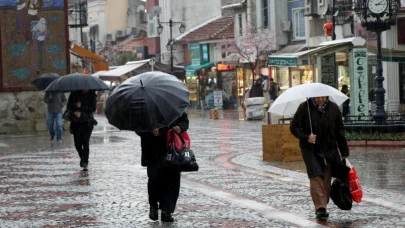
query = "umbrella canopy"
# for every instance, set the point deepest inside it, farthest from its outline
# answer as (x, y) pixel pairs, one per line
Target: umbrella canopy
(77, 81)
(44, 80)
(147, 101)
(288, 102)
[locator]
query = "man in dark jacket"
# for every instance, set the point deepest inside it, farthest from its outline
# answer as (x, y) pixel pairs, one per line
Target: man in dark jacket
(55, 103)
(163, 186)
(256, 90)
(319, 127)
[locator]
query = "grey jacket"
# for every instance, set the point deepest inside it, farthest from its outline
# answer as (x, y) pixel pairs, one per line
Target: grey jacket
(55, 101)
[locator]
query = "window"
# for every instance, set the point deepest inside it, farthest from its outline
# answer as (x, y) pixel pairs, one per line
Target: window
(240, 24)
(299, 23)
(265, 11)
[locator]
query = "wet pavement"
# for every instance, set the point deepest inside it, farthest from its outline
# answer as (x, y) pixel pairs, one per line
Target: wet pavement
(42, 184)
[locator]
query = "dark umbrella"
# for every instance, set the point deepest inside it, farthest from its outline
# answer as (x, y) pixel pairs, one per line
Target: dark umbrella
(44, 80)
(77, 81)
(147, 101)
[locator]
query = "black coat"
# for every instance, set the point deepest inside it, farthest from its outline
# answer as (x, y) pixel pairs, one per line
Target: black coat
(88, 107)
(154, 147)
(330, 137)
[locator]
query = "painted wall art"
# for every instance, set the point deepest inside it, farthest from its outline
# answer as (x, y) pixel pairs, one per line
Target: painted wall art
(33, 41)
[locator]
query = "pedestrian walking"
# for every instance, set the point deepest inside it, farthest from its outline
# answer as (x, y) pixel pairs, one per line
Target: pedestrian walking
(319, 127)
(163, 186)
(346, 105)
(273, 90)
(256, 90)
(81, 106)
(55, 103)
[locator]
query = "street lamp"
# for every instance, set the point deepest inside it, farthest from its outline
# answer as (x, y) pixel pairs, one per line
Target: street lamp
(171, 44)
(378, 16)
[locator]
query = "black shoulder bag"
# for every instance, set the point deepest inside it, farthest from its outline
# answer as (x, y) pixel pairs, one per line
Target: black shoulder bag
(183, 161)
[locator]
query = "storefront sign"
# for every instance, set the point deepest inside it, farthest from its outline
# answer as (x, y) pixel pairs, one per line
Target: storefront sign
(205, 56)
(218, 98)
(195, 53)
(358, 83)
(327, 70)
(190, 73)
(281, 61)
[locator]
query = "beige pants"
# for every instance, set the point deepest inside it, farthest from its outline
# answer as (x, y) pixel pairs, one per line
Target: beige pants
(320, 189)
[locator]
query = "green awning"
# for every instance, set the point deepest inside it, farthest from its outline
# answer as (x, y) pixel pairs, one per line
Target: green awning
(190, 69)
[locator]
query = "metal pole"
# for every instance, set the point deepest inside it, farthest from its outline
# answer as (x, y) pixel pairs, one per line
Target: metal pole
(380, 115)
(333, 20)
(171, 46)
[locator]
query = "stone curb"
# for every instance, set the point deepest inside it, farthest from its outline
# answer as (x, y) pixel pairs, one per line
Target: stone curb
(365, 143)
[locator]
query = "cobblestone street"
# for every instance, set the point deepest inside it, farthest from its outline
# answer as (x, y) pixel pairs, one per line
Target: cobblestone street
(42, 184)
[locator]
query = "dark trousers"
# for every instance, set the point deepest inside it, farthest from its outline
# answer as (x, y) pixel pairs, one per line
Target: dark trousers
(163, 188)
(81, 137)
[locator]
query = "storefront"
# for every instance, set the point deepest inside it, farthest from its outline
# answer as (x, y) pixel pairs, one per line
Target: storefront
(98, 62)
(196, 80)
(327, 64)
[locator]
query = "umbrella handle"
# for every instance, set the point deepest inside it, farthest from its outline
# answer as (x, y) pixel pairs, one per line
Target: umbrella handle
(309, 113)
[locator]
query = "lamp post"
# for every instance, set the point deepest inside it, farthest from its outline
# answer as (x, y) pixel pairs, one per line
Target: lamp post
(336, 15)
(378, 16)
(171, 44)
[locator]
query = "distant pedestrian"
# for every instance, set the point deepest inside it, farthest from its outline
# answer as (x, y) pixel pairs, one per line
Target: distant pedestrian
(346, 107)
(256, 90)
(274, 90)
(319, 127)
(55, 103)
(163, 186)
(81, 106)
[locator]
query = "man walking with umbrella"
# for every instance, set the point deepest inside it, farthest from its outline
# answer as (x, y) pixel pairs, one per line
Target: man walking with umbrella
(319, 127)
(55, 103)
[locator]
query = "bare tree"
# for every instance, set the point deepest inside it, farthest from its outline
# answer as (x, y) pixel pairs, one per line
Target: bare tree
(254, 44)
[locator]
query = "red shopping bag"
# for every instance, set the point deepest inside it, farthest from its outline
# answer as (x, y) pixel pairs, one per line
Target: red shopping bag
(354, 183)
(178, 140)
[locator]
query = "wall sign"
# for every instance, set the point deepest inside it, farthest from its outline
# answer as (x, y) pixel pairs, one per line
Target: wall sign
(358, 83)
(195, 53)
(327, 70)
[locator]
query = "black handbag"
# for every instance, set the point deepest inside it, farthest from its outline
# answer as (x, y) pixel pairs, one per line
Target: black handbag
(340, 194)
(183, 161)
(66, 116)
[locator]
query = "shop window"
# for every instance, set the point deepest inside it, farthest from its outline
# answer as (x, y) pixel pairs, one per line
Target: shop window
(240, 24)
(299, 23)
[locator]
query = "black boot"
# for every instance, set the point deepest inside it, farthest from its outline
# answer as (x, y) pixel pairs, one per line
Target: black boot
(167, 217)
(321, 214)
(153, 213)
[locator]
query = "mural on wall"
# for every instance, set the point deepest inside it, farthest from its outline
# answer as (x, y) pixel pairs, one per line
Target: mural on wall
(33, 38)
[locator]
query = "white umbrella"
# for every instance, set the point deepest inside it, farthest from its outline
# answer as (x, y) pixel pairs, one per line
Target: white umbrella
(288, 102)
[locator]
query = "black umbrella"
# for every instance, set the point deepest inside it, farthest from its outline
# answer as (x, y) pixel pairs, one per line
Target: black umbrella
(44, 80)
(147, 101)
(77, 81)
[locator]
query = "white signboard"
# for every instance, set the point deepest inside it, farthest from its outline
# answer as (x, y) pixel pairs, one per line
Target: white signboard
(218, 98)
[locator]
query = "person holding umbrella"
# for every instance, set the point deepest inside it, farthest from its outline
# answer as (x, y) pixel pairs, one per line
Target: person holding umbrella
(318, 125)
(163, 186)
(55, 102)
(81, 106)
(150, 104)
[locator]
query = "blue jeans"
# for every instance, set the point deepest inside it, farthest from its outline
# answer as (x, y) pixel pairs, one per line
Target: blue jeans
(51, 119)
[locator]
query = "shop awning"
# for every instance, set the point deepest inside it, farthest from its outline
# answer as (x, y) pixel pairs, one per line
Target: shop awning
(389, 55)
(97, 74)
(190, 69)
(303, 57)
(99, 62)
(115, 74)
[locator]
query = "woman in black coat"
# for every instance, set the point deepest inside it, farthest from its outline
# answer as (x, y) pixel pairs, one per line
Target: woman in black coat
(320, 149)
(81, 106)
(163, 186)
